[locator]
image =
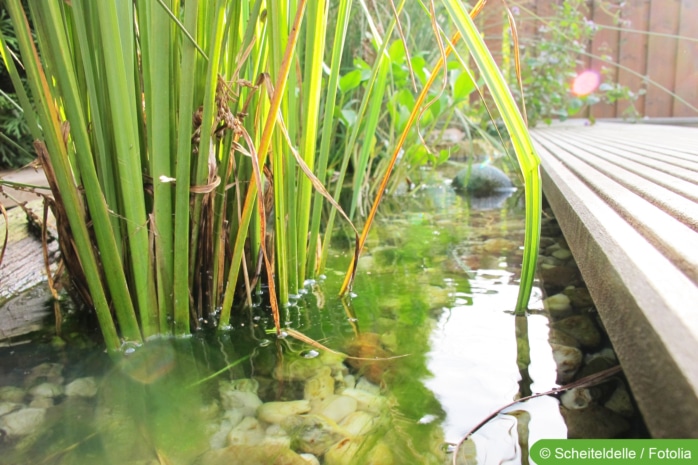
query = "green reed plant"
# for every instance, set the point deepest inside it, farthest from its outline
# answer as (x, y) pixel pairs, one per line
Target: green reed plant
(181, 140)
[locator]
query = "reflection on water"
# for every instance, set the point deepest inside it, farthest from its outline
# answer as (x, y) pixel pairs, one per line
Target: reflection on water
(437, 283)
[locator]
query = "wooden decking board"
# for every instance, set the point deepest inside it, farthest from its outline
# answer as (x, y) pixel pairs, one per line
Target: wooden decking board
(664, 231)
(634, 239)
(678, 164)
(682, 159)
(671, 137)
(664, 176)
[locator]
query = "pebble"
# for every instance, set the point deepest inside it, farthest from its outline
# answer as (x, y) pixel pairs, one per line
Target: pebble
(576, 398)
(47, 390)
(568, 361)
(557, 305)
(620, 402)
(248, 432)
(8, 407)
(82, 387)
(22, 422)
(12, 394)
(594, 422)
(314, 434)
(246, 401)
(582, 328)
(562, 254)
(277, 412)
(337, 408)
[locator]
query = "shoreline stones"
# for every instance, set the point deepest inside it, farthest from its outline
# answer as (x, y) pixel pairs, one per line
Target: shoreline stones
(23, 411)
(332, 413)
(580, 348)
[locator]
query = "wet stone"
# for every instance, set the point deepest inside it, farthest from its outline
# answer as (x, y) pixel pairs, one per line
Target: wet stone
(8, 407)
(595, 422)
(246, 401)
(562, 254)
(558, 306)
(576, 398)
(251, 455)
(579, 297)
(47, 390)
(582, 328)
(277, 412)
(248, 432)
(337, 408)
(12, 394)
(560, 276)
(568, 361)
(563, 339)
(314, 434)
(82, 387)
(620, 402)
(22, 422)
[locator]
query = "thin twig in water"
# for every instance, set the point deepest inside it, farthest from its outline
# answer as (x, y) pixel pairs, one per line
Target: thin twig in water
(586, 381)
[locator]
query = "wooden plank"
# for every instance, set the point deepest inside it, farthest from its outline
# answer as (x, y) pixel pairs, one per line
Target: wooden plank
(604, 45)
(632, 54)
(680, 171)
(661, 56)
(686, 81)
(641, 293)
(653, 186)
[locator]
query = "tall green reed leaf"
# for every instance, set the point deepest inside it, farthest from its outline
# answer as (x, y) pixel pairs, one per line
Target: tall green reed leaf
(525, 153)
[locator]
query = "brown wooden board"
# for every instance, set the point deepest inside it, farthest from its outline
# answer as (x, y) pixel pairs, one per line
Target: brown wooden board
(686, 79)
(604, 49)
(661, 57)
(632, 53)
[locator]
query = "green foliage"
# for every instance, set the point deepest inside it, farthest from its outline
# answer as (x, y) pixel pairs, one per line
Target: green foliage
(551, 61)
(15, 137)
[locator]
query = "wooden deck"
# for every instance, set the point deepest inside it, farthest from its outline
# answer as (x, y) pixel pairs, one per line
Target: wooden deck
(626, 198)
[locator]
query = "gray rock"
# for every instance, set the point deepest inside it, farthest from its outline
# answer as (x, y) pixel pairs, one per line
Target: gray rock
(314, 434)
(22, 422)
(594, 422)
(82, 387)
(12, 394)
(482, 181)
(620, 402)
(579, 297)
(251, 455)
(8, 407)
(568, 361)
(582, 328)
(47, 390)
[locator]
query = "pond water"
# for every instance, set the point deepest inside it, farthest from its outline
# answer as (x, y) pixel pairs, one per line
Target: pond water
(434, 349)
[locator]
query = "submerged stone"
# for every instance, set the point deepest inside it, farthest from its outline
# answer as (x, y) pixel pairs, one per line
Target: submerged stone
(247, 402)
(248, 432)
(22, 422)
(12, 394)
(82, 387)
(582, 328)
(320, 386)
(576, 398)
(354, 451)
(47, 390)
(620, 402)
(337, 408)
(277, 412)
(482, 181)
(314, 434)
(594, 422)
(251, 455)
(568, 361)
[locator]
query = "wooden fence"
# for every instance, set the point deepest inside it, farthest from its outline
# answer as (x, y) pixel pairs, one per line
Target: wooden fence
(655, 48)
